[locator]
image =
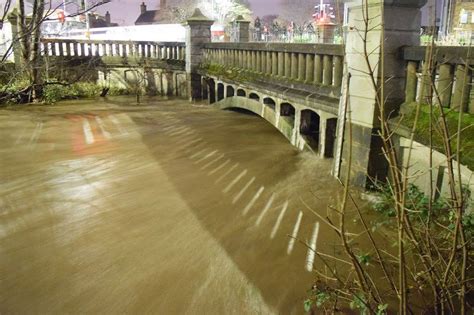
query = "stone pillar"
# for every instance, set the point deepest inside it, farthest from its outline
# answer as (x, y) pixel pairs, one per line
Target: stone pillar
(326, 33)
(198, 33)
(401, 22)
(243, 29)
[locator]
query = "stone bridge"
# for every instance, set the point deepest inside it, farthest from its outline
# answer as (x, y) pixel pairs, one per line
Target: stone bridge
(312, 93)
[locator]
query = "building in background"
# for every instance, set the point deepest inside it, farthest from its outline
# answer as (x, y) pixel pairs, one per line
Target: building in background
(462, 21)
(96, 20)
(160, 16)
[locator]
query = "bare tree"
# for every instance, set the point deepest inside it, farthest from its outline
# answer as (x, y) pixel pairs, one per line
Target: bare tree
(422, 261)
(28, 41)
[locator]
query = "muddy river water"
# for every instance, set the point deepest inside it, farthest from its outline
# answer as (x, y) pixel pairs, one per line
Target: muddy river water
(163, 207)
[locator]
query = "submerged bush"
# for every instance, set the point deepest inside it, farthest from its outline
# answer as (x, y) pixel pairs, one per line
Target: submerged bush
(55, 92)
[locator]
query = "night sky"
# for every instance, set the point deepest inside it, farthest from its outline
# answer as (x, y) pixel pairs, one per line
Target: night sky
(126, 11)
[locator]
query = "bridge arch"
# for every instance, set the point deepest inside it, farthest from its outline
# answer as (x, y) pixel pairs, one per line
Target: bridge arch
(220, 91)
(309, 128)
(330, 137)
(229, 91)
(241, 92)
(288, 112)
(254, 96)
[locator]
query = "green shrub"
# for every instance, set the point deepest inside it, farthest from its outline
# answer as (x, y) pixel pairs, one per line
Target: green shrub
(53, 93)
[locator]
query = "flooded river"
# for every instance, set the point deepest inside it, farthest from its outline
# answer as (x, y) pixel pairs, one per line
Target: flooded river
(165, 207)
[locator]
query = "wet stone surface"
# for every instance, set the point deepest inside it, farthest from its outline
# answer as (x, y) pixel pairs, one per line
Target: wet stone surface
(165, 207)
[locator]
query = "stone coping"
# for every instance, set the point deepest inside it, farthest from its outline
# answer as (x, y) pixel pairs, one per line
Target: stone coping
(323, 49)
(123, 42)
(443, 54)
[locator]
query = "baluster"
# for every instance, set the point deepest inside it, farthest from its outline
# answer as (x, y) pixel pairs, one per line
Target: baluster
(274, 63)
(75, 48)
(253, 60)
(61, 49)
(301, 66)
(240, 56)
(268, 59)
(68, 48)
(445, 84)
(462, 88)
(281, 64)
(412, 82)
(82, 53)
(309, 77)
(327, 70)
(318, 69)
(338, 70)
(53, 49)
(235, 58)
(259, 61)
(287, 65)
(294, 66)
(159, 52)
(44, 48)
(136, 50)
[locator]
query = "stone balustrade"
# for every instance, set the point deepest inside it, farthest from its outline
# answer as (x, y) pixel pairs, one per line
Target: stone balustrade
(452, 76)
(308, 64)
(113, 48)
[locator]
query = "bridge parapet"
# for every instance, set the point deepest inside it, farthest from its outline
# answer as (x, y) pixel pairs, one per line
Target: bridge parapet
(453, 73)
(315, 68)
(113, 48)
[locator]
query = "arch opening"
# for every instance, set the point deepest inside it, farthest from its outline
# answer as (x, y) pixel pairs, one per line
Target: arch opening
(229, 91)
(309, 128)
(212, 90)
(287, 111)
(269, 102)
(204, 88)
(241, 92)
(220, 91)
(254, 96)
(331, 129)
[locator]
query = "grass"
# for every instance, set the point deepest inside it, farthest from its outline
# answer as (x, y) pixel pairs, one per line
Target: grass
(452, 117)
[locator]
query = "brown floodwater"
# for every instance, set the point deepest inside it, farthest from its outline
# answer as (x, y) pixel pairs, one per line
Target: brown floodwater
(164, 207)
